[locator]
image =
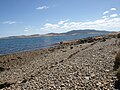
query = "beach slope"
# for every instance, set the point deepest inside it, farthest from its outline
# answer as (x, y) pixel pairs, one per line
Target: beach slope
(72, 65)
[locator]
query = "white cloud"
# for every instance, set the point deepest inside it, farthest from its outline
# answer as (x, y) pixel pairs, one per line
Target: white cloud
(113, 15)
(9, 22)
(27, 28)
(62, 22)
(100, 24)
(105, 12)
(113, 9)
(105, 17)
(108, 21)
(42, 7)
(51, 26)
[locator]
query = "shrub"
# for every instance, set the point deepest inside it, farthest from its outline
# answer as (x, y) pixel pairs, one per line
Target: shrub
(117, 65)
(118, 73)
(117, 61)
(118, 35)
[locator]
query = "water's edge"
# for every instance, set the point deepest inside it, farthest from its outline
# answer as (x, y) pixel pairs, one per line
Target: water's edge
(32, 44)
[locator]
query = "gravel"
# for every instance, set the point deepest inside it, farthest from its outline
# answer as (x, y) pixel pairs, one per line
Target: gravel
(75, 67)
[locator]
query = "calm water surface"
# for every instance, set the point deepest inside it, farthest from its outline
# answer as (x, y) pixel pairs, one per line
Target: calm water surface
(24, 44)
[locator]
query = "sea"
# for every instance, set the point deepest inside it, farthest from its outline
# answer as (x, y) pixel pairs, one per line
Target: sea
(13, 45)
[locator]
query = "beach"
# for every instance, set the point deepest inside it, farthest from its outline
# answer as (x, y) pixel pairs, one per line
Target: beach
(85, 64)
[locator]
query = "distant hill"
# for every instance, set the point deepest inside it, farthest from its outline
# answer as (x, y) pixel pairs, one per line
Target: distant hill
(87, 31)
(73, 32)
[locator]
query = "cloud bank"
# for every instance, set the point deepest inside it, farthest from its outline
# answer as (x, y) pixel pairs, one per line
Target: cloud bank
(108, 21)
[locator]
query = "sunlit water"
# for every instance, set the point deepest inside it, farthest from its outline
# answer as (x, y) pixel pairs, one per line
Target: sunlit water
(24, 44)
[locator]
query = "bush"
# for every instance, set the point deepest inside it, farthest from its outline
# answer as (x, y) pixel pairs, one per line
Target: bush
(118, 73)
(117, 61)
(117, 65)
(118, 35)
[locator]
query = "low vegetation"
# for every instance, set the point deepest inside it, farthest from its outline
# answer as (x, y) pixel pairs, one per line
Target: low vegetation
(118, 35)
(117, 65)
(118, 73)
(117, 61)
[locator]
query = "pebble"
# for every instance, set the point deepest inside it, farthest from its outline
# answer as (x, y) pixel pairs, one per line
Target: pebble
(92, 75)
(107, 70)
(98, 84)
(87, 78)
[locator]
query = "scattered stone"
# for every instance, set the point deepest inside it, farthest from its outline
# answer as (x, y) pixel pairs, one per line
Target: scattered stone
(87, 78)
(4, 85)
(63, 50)
(92, 75)
(61, 61)
(76, 69)
(1, 69)
(107, 70)
(98, 84)
(24, 81)
(71, 47)
(19, 57)
(13, 59)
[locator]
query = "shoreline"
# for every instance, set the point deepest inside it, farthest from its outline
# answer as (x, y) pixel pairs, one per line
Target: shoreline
(72, 63)
(75, 41)
(30, 54)
(16, 49)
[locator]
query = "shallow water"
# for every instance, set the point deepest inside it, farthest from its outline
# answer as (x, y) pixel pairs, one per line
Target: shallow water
(24, 44)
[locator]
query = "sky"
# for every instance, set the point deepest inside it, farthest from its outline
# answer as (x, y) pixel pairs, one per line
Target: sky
(26, 17)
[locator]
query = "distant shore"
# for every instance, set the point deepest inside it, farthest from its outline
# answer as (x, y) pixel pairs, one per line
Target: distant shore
(73, 32)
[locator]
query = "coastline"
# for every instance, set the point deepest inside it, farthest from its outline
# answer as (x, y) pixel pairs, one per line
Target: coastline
(70, 59)
(76, 41)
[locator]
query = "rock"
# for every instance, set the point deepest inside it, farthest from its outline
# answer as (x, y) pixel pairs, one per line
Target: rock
(1, 69)
(19, 57)
(92, 75)
(87, 78)
(98, 84)
(4, 85)
(71, 47)
(93, 55)
(107, 70)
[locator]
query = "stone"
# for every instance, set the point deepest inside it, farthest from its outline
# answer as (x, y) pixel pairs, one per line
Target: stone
(87, 78)
(92, 75)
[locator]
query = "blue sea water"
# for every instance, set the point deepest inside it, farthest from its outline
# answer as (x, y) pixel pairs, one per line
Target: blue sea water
(8, 46)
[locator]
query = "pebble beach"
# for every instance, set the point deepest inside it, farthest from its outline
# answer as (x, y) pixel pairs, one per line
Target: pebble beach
(71, 65)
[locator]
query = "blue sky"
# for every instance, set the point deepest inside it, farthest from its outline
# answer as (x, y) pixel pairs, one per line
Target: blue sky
(25, 17)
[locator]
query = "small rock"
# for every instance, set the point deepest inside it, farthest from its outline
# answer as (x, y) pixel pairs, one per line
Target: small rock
(1, 69)
(92, 75)
(98, 84)
(87, 78)
(62, 85)
(107, 70)
(19, 57)
(93, 55)
(71, 47)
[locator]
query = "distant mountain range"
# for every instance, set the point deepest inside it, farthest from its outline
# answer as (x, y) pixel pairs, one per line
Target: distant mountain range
(73, 32)
(87, 31)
